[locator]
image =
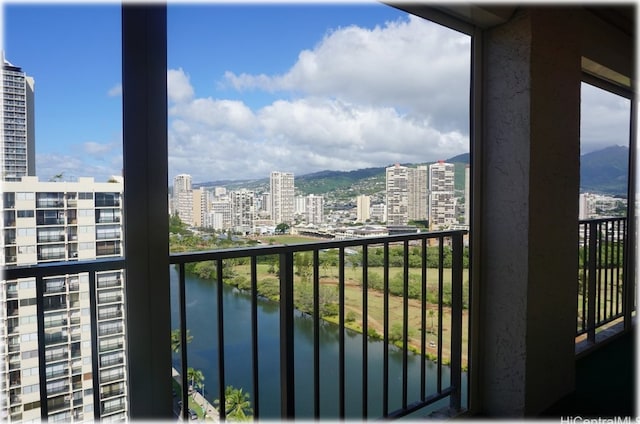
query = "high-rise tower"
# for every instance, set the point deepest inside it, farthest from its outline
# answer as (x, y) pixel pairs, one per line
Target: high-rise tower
(65, 359)
(442, 205)
(282, 197)
(17, 140)
(406, 194)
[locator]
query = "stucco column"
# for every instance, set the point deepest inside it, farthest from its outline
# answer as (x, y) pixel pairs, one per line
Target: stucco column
(529, 213)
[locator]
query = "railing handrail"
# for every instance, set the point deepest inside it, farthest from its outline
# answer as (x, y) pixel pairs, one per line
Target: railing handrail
(602, 219)
(51, 269)
(276, 249)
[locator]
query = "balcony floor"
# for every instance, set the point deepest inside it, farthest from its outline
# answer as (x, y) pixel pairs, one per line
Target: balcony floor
(605, 383)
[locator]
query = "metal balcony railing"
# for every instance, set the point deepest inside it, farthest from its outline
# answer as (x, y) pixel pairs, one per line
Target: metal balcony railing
(289, 282)
(445, 249)
(605, 297)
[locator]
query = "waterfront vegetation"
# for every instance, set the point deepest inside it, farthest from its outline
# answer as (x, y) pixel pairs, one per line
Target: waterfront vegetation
(237, 272)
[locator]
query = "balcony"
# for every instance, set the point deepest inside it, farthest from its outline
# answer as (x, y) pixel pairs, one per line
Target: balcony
(443, 343)
(449, 338)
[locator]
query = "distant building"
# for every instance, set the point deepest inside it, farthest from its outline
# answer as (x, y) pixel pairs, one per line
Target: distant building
(282, 197)
(406, 190)
(83, 376)
(314, 209)
(363, 208)
(183, 198)
(442, 204)
(17, 143)
(200, 207)
(220, 214)
(242, 211)
(379, 212)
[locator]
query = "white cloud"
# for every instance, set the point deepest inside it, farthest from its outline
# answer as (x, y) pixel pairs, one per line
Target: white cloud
(115, 91)
(179, 88)
(72, 166)
(96, 149)
(605, 119)
(410, 64)
(360, 98)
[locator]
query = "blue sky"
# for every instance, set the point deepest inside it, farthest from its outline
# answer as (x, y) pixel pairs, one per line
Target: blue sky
(255, 88)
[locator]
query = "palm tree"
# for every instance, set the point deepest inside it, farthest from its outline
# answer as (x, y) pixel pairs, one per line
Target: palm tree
(176, 342)
(195, 377)
(237, 404)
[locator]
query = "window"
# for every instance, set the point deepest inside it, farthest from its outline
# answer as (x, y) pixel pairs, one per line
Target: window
(25, 214)
(604, 153)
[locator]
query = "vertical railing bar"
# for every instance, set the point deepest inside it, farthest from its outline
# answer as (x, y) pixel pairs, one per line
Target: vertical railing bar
(182, 299)
(605, 267)
(585, 273)
(423, 318)
(287, 366)
(42, 370)
(405, 322)
(316, 334)
(612, 267)
(385, 364)
(599, 281)
(341, 340)
(254, 337)
(221, 383)
(591, 291)
(440, 308)
(365, 330)
(619, 263)
(93, 305)
(456, 322)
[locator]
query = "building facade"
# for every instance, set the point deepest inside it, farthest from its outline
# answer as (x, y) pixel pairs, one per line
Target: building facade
(65, 359)
(282, 197)
(314, 209)
(363, 208)
(442, 202)
(242, 211)
(406, 190)
(18, 130)
(183, 198)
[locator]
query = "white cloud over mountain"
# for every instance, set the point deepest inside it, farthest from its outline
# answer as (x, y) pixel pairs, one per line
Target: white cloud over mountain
(360, 98)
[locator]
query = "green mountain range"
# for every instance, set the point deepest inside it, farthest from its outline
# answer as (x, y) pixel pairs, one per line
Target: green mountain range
(603, 171)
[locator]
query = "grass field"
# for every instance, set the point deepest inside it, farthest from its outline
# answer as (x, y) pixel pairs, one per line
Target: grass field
(353, 294)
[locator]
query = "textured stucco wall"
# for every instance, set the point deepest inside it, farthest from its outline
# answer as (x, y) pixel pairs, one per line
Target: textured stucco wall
(529, 218)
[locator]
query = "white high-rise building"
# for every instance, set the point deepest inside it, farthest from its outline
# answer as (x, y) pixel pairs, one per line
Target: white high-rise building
(221, 213)
(242, 211)
(17, 148)
(442, 205)
(183, 198)
(418, 194)
(363, 208)
(282, 197)
(200, 207)
(66, 359)
(406, 194)
(314, 210)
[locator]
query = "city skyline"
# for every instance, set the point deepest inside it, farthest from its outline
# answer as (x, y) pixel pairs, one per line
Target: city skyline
(280, 91)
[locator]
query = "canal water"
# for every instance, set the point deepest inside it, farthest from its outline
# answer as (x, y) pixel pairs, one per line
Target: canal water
(203, 355)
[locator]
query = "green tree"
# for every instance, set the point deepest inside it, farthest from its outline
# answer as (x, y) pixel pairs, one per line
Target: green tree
(282, 228)
(303, 264)
(195, 377)
(175, 340)
(237, 405)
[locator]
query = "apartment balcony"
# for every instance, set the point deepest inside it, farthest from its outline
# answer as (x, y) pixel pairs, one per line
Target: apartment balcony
(441, 343)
